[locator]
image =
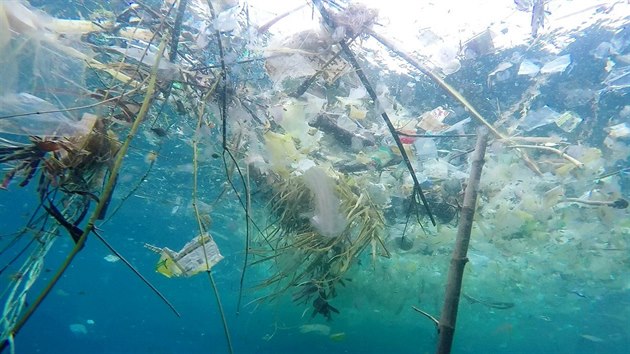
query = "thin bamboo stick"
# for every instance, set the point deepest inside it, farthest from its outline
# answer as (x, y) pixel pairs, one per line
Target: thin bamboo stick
(446, 327)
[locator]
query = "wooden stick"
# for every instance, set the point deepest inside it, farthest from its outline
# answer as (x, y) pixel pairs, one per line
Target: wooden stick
(429, 316)
(459, 258)
(571, 159)
(264, 28)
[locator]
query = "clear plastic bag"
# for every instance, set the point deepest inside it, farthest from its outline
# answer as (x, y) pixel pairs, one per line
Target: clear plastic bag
(25, 114)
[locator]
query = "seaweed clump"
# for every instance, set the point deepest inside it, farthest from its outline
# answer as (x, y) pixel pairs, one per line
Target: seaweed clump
(308, 262)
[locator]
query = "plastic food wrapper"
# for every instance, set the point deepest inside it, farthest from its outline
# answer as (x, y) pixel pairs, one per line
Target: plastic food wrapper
(198, 255)
(568, 121)
(432, 121)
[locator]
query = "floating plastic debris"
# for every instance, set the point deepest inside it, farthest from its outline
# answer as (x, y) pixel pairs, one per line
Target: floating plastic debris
(111, 258)
(500, 73)
(315, 328)
(25, 114)
(338, 337)
(327, 220)
(459, 126)
(557, 65)
(425, 149)
(602, 51)
(198, 255)
(479, 45)
(568, 121)
(357, 113)
(591, 338)
(528, 68)
(328, 196)
(227, 20)
(446, 59)
(436, 169)
(501, 68)
(539, 118)
(618, 79)
(619, 131)
(78, 328)
(432, 121)
(147, 58)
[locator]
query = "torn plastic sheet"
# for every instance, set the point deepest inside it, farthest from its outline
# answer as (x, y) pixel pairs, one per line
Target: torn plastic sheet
(539, 118)
(618, 79)
(25, 114)
(528, 68)
(557, 65)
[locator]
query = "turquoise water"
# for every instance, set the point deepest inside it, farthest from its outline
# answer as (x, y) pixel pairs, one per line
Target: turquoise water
(549, 275)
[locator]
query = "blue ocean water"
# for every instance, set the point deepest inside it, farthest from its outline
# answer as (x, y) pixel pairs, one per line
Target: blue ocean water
(567, 292)
(128, 318)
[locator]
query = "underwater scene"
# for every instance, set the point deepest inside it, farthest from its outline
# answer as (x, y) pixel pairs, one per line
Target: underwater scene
(315, 176)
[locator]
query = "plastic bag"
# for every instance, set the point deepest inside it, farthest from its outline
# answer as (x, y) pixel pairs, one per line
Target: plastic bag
(25, 114)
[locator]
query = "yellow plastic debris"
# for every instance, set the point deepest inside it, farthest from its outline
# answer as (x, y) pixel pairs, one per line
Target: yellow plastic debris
(357, 113)
(198, 255)
(338, 337)
(568, 121)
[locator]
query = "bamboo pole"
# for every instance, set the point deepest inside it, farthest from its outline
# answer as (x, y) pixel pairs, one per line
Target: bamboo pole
(446, 326)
